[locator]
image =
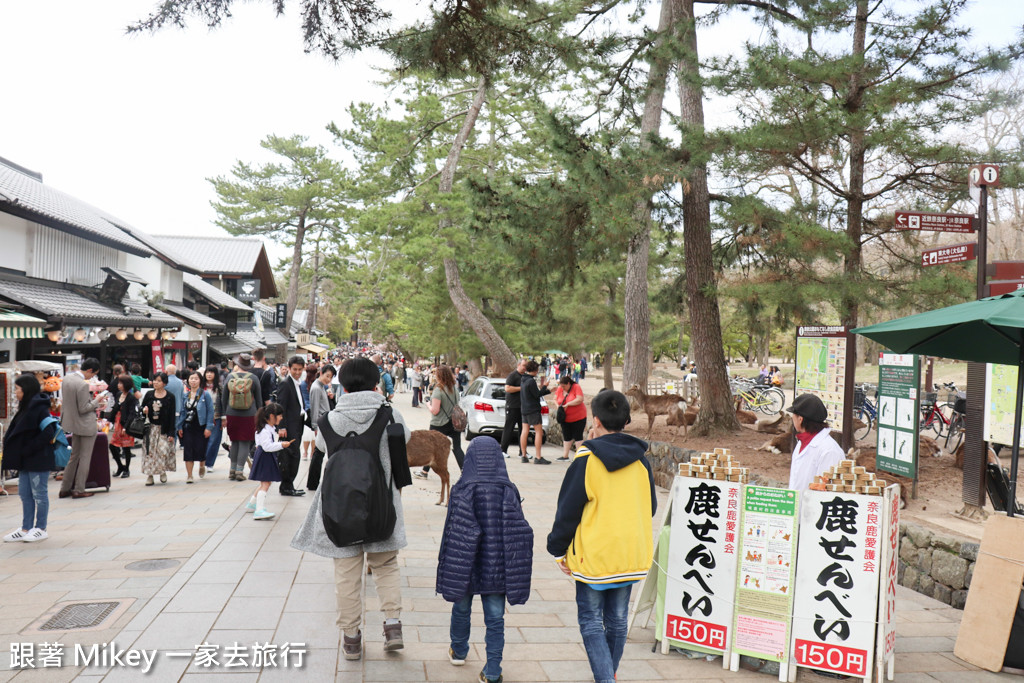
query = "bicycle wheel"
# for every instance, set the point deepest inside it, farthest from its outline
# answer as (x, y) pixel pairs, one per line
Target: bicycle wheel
(861, 433)
(956, 433)
(932, 421)
(772, 401)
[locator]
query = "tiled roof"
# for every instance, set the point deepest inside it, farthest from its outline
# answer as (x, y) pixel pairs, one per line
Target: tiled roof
(24, 195)
(213, 295)
(273, 337)
(250, 337)
(228, 346)
(217, 255)
(193, 318)
(56, 302)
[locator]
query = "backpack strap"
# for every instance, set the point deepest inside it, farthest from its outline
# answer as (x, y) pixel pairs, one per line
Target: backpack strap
(334, 441)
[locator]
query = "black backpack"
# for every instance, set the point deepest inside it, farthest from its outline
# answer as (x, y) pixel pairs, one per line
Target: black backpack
(356, 501)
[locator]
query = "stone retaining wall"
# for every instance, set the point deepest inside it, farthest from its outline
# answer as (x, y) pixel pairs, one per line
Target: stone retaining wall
(935, 564)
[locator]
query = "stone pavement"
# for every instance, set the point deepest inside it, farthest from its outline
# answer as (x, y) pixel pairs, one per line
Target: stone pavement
(235, 580)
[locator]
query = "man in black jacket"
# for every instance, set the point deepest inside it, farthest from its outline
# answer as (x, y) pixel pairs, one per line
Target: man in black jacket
(289, 396)
(513, 416)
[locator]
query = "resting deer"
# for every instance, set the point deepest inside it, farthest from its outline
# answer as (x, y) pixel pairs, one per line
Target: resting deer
(427, 447)
(656, 405)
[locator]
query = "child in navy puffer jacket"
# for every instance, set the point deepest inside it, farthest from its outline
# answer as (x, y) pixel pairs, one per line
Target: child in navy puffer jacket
(486, 550)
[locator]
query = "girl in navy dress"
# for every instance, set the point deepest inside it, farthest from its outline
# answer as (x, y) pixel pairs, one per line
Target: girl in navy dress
(264, 464)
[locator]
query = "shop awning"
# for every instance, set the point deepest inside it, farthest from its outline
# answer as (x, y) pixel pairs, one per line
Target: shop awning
(228, 346)
(314, 348)
(15, 325)
(193, 318)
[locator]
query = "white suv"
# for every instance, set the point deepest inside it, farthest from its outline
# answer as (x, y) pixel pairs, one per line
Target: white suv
(484, 403)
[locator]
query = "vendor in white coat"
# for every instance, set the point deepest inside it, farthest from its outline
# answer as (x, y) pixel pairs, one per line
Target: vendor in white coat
(816, 451)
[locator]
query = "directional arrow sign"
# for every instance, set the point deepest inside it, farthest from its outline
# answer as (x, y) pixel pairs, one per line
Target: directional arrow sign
(951, 254)
(941, 222)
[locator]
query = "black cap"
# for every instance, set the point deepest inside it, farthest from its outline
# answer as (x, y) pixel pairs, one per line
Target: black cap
(810, 407)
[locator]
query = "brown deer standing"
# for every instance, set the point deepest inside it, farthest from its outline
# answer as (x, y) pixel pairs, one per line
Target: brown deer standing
(655, 405)
(677, 417)
(427, 447)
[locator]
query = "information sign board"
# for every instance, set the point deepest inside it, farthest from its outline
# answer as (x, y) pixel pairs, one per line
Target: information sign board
(899, 376)
(837, 582)
(764, 581)
(885, 649)
(951, 254)
(1000, 287)
(701, 572)
(821, 367)
(940, 222)
(1000, 402)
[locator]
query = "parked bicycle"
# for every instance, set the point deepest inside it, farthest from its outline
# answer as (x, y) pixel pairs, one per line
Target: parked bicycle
(864, 410)
(958, 422)
(932, 416)
(762, 398)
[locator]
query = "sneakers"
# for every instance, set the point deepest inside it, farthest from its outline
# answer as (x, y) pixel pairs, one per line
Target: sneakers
(505, 454)
(202, 470)
(393, 637)
(484, 679)
(352, 648)
(36, 535)
(189, 481)
(263, 514)
(456, 661)
(163, 478)
(541, 461)
(250, 506)
(420, 474)
(526, 459)
(149, 480)
(16, 535)
(209, 470)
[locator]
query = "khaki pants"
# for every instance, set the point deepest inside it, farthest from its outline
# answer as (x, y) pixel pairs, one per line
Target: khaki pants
(77, 471)
(348, 584)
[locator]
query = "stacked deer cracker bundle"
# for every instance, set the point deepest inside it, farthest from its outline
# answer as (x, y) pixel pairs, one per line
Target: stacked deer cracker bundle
(718, 465)
(848, 477)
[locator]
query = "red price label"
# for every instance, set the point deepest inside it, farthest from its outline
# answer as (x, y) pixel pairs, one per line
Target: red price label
(836, 658)
(696, 632)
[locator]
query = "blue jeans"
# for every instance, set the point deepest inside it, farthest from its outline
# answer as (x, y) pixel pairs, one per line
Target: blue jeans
(213, 446)
(35, 501)
(603, 617)
(494, 619)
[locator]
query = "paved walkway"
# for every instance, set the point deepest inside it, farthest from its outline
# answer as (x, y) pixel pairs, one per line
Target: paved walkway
(235, 580)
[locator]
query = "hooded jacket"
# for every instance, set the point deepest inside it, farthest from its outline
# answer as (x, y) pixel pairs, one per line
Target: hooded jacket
(353, 413)
(603, 521)
(487, 544)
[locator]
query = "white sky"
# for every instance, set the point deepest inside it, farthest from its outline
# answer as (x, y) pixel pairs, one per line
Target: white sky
(135, 124)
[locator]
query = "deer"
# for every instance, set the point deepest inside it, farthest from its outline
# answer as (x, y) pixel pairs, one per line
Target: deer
(427, 447)
(745, 417)
(655, 405)
(678, 417)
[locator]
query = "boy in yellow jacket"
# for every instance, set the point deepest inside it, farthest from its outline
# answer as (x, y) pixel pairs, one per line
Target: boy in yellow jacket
(602, 534)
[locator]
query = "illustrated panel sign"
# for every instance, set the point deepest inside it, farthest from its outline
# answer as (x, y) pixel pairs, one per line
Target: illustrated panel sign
(837, 582)
(767, 554)
(899, 375)
(1000, 402)
(702, 563)
(821, 367)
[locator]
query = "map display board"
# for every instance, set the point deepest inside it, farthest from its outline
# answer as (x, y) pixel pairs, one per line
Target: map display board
(821, 367)
(842, 540)
(764, 582)
(701, 574)
(1000, 402)
(899, 375)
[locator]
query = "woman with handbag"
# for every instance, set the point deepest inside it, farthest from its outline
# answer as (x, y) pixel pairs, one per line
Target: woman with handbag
(571, 415)
(28, 449)
(158, 451)
(126, 409)
(195, 424)
(443, 402)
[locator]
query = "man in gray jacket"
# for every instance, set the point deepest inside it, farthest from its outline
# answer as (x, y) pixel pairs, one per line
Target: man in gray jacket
(322, 400)
(78, 416)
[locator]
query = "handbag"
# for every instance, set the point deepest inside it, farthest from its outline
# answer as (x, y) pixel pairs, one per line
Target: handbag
(136, 426)
(560, 413)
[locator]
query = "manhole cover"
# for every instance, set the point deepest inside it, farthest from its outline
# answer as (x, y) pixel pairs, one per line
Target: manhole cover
(80, 615)
(151, 565)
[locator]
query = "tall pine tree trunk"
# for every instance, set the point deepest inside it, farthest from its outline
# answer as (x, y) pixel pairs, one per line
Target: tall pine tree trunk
(504, 359)
(716, 408)
(637, 356)
(852, 263)
(293, 271)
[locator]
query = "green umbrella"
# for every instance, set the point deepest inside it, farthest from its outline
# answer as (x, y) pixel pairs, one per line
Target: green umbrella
(989, 330)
